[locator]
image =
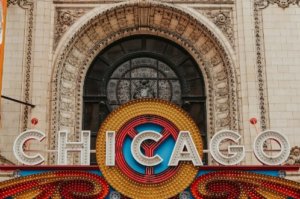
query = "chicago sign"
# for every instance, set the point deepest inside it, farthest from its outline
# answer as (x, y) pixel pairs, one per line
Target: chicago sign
(152, 146)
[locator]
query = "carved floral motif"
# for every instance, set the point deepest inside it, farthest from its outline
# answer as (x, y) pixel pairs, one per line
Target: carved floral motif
(223, 19)
(65, 17)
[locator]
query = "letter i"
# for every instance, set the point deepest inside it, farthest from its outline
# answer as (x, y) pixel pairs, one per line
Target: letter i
(110, 148)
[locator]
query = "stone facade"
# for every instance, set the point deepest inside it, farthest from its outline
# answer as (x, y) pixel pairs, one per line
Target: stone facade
(247, 51)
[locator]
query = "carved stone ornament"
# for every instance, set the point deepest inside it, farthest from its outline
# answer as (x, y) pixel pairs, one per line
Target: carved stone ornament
(25, 4)
(29, 6)
(294, 158)
(261, 68)
(101, 28)
(65, 17)
(223, 19)
(281, 3)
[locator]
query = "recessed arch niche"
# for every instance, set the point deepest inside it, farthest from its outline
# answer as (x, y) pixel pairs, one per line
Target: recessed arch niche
(137, 67)
(99, 28)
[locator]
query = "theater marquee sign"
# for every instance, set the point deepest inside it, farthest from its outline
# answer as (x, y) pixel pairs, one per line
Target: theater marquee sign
(157, 147)
(151, 148)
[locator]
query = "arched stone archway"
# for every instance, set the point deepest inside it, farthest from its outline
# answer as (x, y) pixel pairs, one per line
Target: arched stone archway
(102, 27)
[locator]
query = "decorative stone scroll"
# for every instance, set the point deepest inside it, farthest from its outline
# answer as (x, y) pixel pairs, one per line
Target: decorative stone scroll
(100, 28)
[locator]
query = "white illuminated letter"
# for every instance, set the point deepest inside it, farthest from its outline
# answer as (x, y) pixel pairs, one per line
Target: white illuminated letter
(278, 159)
(110, 148)
(136, 148)
(236, 152)
(185, 150)
(64, 146)
(18, 147)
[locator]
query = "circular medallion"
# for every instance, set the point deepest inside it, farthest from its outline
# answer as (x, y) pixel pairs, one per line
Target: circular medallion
(130, 177)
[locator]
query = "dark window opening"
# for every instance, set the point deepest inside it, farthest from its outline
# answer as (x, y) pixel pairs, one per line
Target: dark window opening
(142, 67)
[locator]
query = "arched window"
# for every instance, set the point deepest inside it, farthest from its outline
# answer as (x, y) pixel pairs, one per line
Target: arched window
(142, 67)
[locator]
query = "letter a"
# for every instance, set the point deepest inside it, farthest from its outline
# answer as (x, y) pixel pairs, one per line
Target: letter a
(185, 150)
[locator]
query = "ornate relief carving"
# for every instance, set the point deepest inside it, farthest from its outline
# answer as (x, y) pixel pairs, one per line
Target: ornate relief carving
(25, 4)
(294, 158)
(281, 3)
(222, 18)
(64, 18)
(142, 18)
(261, 68)
(29, 6)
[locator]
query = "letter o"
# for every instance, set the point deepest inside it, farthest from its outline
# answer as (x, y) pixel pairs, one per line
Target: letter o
(281, 139)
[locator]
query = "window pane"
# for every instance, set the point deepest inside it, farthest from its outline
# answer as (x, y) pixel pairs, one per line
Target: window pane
(92, 87)
(113, 54)
(99, 68)
(132, 45)
(174, 54)
(144, 89)
(189, 70)
(121, 70)
(166, 70)
(91, 119)
(196, 87)
(154, 45)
